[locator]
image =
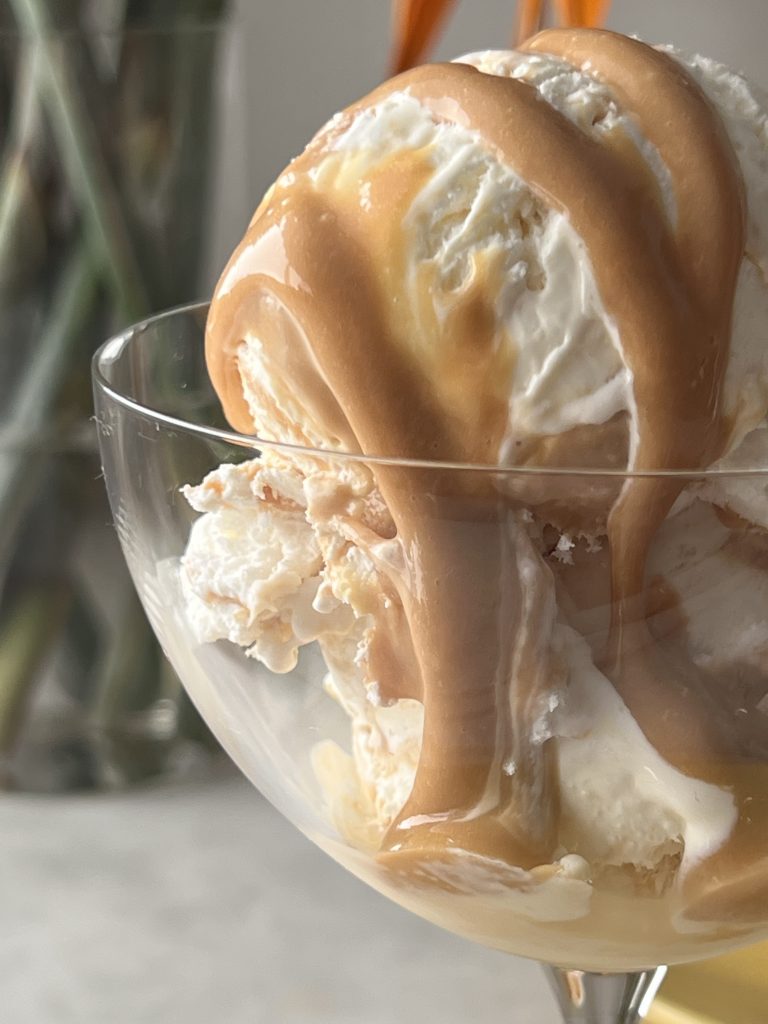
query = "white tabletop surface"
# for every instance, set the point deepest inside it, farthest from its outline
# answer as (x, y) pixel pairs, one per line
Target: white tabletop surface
(200, 905)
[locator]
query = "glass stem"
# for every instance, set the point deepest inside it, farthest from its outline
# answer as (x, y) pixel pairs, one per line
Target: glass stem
(587, 998)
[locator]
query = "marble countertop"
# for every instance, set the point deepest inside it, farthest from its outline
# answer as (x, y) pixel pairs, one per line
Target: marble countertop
(200, 905)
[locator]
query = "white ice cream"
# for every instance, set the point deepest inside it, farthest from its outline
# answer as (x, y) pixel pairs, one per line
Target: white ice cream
(262, 570)
(253, 574)
(569, 369)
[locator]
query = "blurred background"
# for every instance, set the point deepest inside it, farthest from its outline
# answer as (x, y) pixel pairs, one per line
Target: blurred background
(140, 880)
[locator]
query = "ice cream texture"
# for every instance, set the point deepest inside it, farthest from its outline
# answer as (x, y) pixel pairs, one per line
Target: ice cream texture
(554, 258)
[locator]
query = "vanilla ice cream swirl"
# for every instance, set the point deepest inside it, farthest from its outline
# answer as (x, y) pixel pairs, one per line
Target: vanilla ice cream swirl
(322, 282)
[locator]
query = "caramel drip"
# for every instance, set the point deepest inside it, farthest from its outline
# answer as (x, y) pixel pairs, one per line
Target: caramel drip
(458, 538)
(678, 371)
(677, 709)
(333, 264)
(390, 659)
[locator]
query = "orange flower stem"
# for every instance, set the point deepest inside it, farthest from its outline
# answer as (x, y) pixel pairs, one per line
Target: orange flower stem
(529, 17)
(417, 23)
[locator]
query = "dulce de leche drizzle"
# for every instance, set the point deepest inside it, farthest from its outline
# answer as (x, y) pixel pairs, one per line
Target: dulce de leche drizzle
(680, 425)
(331, 262)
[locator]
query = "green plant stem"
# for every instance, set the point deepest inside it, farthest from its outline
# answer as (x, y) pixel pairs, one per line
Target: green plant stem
(84, 162)
(21, 218)
(165, 102)
(56, 93)
(193, 112)
(26, 632)
(30, 410)
(165, 13)
(130, 664)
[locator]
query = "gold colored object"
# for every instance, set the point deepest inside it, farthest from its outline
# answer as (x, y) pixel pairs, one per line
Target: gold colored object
(732, 989)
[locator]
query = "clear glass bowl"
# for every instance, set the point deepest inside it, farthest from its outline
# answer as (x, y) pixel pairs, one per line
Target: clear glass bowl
(505, 862)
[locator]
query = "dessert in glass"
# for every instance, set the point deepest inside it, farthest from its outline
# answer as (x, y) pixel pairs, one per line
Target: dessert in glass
(451, 511)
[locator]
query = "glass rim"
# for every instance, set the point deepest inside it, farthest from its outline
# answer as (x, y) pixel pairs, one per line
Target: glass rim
(109, 349)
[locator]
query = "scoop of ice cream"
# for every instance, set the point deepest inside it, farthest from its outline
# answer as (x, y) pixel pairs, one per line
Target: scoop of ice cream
(622, 804)
(465, 225)
(552, 258)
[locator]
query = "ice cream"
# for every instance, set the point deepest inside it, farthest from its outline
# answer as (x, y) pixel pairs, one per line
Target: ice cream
(549, 258)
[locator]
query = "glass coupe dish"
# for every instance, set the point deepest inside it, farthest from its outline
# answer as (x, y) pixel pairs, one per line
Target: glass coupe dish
(565, 779)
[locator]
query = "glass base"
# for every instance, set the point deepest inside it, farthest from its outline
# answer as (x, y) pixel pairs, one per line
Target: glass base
(586, 998)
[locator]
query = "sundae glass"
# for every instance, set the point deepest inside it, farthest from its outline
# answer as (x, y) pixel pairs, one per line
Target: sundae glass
(451, 510)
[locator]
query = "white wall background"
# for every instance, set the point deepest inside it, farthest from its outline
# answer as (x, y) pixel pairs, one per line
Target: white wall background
(293, 63)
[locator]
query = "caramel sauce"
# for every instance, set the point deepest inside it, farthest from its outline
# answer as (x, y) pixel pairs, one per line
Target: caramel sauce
(332, 260)
(678, 713)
